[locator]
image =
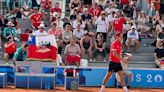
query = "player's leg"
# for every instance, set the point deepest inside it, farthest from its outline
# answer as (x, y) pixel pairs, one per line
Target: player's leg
(122, 81)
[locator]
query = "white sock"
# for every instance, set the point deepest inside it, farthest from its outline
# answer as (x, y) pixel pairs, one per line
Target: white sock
(125, 88)
(102, 87)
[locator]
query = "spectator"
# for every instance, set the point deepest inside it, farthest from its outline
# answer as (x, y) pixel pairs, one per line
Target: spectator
(156, 4)
(10, 31)
(57, 32)
(67, 34)
(111, 8)
(16, 25)
(72, 52)
(9, 48)
(78, 21)
(133, 37)
(59, 23)
(78, 33)
(124, 63)
(21, 53)
(159, 54)
(99, 45)
(142, 20)
(36, 18)
(40, 31)
(87, 19)
(13, 6)
(95, 11)
(75, 4)
(53, 17)
(152, 11)
(160, 36)
(102, 25)
(56, 9)
(26, 6)
(73, 16)
(46, 6)
(86, 44)
(3, 21)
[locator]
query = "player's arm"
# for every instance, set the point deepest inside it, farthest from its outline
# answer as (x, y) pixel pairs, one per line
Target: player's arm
(114, 51)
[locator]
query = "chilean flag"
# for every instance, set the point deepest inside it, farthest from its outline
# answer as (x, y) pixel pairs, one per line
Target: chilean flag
(43, 48)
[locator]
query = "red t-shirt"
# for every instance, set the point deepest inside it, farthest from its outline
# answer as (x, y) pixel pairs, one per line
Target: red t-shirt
(11, 49)
(36, 19)
(118, 24)
(46, 5)
(116, 45)
(94, 12)
(124, 1)
(58, 10)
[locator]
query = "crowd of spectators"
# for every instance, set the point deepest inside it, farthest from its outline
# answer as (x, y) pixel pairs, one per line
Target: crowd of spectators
(87, 28)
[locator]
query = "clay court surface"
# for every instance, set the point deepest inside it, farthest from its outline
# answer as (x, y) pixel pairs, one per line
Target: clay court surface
(81, 89)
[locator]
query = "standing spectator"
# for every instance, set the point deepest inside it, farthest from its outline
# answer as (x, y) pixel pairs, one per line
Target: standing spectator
(56, 8)
(100, 45)
(118, 23)
(159, 54)
(36, 18)
(133, 37)
(102, 25)
(78, 33)
(10, 48)
(40, 31)
(72, 52)
(10, 30)
(67, 34)
(75, 4)
(21, 53)
(86, 44)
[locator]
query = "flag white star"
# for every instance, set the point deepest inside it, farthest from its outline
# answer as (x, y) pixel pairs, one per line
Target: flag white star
(29, 38)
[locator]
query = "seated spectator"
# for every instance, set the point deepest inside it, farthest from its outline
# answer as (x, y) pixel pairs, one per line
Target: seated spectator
(72, 52)
(9, 48)
(99, 45)
(111, 8)
(46, 5)
(159, 54)
(102, 25)
(59, 23)
(95, 11)
(57, 32)
(75, 4)
(10, 31)
(13, 6)
(56, 8)
(86, 44)
(3, 21)
(26, 6)
(124, 63)
(53, 17)
(87, 19)
(142, 20)
(21, 53)
(40, 31)
(16, 25)
(78, 33)
(36, 18)
(132, 37)
(67, 35)
(78, 21)
(152, 11)
(160, 36)
(73, 16)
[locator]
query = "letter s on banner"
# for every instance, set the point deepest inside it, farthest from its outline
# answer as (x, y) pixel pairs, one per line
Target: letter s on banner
(138, 78)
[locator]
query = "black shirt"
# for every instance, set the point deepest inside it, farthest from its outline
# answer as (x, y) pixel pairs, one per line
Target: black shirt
(73, 17)
(86, 17)
(159, 52)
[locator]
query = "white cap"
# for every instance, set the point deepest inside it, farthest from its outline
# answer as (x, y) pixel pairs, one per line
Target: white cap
(41, 26)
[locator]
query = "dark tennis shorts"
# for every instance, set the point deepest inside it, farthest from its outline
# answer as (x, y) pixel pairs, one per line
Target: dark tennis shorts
(11, 56)
(115, 67)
